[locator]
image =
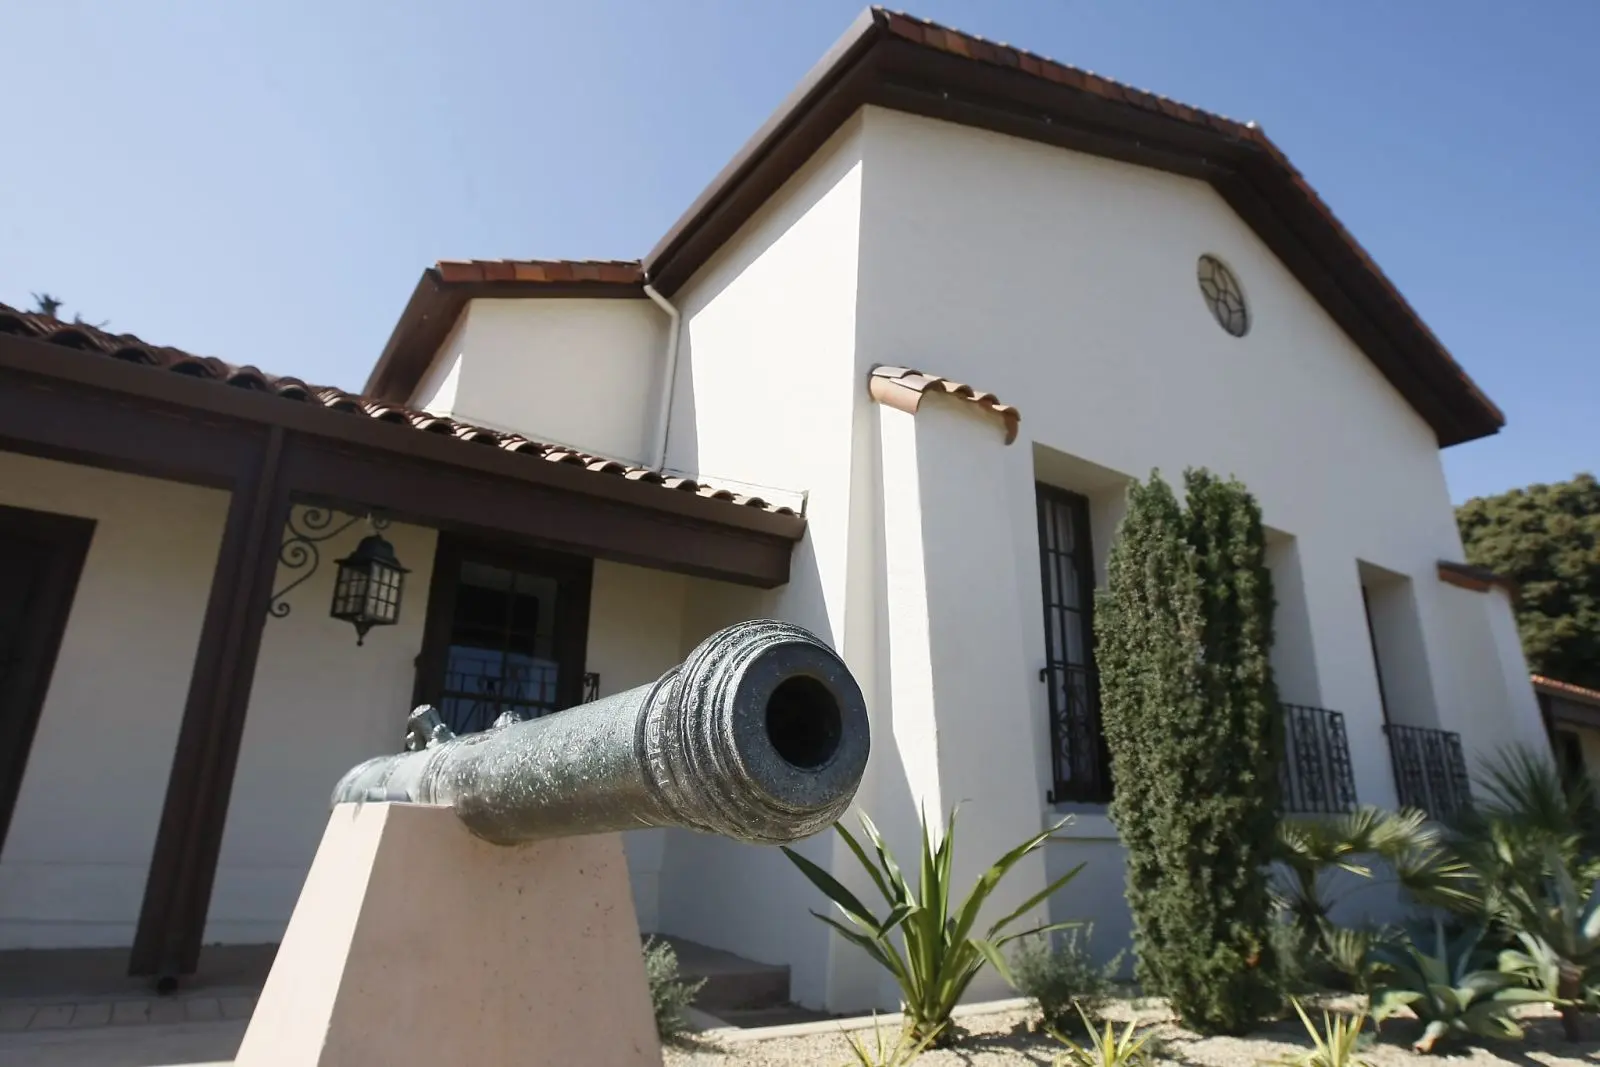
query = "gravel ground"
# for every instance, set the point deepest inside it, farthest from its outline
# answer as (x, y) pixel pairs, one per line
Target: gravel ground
(1011, 1038)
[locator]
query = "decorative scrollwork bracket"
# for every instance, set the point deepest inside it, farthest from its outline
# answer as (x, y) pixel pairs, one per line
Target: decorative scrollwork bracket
(301, 552)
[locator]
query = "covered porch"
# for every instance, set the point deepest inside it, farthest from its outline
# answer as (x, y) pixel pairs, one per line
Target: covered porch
(178, 700)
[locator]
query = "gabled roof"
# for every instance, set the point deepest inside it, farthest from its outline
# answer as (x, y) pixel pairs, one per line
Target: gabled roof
(444, 289)
(899, 62)
(895, 61)
(130, 349)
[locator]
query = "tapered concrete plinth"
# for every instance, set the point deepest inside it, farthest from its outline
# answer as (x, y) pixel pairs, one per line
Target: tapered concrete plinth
(415, 943)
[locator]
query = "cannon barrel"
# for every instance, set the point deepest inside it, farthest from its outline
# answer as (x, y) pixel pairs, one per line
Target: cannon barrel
(760, 735)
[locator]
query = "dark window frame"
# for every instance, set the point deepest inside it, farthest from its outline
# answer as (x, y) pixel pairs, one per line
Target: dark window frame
(63, 542)
(1090, 782)
(574, 578)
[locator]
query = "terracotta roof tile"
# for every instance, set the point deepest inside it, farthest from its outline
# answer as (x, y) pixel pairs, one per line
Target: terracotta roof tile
(904, 388)
(1555, 685)
(130, 349)
(1478, 579)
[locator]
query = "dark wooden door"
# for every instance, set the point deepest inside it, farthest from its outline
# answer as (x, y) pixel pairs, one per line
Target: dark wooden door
(41, 556)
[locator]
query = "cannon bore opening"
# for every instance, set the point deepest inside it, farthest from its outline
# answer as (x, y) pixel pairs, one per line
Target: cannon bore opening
(804, 723)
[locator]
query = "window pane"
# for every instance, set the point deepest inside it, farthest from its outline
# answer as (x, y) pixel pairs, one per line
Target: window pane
(502, 652)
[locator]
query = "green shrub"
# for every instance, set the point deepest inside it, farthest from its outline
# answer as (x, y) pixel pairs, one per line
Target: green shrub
(1525, 822)
(942, 953)
(670, 993)
(1448, 988)
(1062, 979)
(1184, 636)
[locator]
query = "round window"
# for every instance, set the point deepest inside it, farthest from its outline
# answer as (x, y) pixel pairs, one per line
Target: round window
(1223, 295)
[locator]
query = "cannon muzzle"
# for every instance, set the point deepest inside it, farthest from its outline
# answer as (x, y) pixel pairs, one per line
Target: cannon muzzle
(760, 735)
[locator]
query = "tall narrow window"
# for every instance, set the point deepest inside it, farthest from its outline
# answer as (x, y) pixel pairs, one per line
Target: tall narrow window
(1080, 762)
(505, 634)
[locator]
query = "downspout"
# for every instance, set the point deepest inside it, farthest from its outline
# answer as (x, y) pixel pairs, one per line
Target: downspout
(658, 458)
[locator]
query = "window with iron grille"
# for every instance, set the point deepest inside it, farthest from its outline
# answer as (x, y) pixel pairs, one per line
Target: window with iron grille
(505, 633)
(1080, 763)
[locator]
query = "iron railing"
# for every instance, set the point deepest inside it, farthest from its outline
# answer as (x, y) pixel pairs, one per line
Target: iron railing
(1316, 773)
(1080, 764)
(1430, 772)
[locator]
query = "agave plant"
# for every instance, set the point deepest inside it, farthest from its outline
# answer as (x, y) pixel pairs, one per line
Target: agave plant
(1104, 1049)
(1448, 990)
(942, 951)
(1559, 928)
(1337, 1044)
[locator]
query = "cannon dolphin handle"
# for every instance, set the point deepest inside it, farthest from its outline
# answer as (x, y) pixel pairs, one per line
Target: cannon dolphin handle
(760, 735)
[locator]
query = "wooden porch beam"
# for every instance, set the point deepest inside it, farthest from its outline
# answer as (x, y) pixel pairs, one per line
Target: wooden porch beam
(484, 501)
(184, 863)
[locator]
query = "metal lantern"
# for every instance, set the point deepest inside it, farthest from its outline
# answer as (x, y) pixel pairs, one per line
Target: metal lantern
(366, 591)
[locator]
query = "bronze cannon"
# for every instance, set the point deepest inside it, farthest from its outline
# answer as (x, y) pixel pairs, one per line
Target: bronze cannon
(759, 735)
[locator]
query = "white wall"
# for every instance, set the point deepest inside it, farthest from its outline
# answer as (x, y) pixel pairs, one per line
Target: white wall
(766, 395)
(584, 372)
(78, 852)
(1066, 284)
(319, 705)
(636, 619)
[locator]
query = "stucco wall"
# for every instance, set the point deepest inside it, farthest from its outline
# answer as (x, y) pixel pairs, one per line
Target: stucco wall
(320, 705)
(1066, 284)
(584, 373)
(636, 620)
(766, 395)
(75, 860)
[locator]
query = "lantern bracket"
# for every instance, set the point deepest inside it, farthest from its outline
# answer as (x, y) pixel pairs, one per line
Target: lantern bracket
(300, 551)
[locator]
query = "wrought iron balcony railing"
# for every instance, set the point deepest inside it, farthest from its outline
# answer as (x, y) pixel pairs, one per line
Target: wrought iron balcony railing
(1080, 765)
(1430, 772)
(1317, 778)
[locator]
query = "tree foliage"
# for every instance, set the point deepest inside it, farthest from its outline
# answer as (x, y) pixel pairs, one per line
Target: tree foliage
(1184, 636)
(1547, 539)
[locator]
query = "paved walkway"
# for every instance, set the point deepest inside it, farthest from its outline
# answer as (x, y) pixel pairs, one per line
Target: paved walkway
(153, 1045)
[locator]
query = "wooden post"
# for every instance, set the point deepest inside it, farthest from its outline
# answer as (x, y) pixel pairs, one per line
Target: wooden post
(184, 863)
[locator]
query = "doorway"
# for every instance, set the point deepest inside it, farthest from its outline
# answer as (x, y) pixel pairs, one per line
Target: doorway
(41, 556)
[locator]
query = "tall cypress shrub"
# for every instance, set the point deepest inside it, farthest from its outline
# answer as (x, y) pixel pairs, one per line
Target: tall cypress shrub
(1184, 636)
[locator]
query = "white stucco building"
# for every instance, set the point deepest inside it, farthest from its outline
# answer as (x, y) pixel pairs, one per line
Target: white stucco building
(1124, 283)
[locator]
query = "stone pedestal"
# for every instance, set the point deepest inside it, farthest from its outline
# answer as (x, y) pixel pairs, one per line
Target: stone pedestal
(415, 943)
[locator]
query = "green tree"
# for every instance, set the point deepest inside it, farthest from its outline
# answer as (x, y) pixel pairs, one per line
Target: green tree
(1546, 538)
(1184, 636)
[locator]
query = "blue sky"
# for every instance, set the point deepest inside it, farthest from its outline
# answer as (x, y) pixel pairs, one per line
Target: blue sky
(265, 182)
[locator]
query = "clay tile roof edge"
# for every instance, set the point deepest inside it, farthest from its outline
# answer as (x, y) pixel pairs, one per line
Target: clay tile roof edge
(1557, 686)
(903, 388)
(168, 360)
(1478, 579)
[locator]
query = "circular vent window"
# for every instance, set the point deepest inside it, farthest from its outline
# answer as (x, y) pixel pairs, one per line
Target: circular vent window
(1223, 296)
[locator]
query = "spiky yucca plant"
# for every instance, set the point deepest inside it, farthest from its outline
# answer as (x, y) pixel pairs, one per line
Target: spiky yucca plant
(1337, 1044)
(1104, 1049)
(942, 952)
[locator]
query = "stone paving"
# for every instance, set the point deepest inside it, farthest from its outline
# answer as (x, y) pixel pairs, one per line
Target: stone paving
(17, 1016)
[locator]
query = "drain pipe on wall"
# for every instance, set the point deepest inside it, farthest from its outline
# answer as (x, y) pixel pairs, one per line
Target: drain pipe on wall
(658, 458)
